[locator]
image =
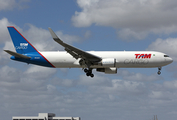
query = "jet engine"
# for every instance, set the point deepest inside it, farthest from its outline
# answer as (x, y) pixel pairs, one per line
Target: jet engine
(108, 62)
(111, 70)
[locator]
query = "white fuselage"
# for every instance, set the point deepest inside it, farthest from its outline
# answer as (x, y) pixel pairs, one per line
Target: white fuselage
(124, 59)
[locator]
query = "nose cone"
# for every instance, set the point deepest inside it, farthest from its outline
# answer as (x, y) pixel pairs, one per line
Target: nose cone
(169, 60)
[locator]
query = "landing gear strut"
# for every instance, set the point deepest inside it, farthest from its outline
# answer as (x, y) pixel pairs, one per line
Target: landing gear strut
(89, 72)
(159, 69)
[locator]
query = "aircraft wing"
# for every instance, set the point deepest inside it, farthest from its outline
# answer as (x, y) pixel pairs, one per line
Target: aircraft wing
(75, 52)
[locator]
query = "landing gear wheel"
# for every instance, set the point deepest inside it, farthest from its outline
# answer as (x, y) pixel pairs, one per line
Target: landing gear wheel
(85, 70)
(159, 68)
(92, 75)
(89, 72)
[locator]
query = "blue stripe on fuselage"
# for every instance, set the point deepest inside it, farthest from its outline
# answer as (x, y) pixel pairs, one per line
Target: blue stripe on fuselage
(36, 59)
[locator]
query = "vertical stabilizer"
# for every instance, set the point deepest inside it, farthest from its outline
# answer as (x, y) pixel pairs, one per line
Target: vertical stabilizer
(21, 44)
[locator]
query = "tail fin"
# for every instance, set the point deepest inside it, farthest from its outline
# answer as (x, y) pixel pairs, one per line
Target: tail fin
(21, 44)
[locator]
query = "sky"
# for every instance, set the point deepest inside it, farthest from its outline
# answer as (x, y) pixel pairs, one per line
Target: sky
(110, 25)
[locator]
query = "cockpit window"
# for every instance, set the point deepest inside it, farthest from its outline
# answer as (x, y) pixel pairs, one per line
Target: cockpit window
(166, 56)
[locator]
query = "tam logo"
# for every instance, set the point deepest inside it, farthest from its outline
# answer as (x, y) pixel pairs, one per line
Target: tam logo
(138, 56)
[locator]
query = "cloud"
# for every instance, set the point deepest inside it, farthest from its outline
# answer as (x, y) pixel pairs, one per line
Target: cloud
(11, 4)
(138, 76)
(98, 80)
(135, 19)
(40, 90)
(171, 84)
(9, 74)
(7, 4)
(167, 46)
(39, 72)
(129, 35)
(5, 40)
(87, 34)
(42, 40)
(120, 88)
(27, 90)
(3, 31)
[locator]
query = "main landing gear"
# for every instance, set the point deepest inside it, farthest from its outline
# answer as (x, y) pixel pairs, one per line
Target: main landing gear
(159, 69)
(89, 72)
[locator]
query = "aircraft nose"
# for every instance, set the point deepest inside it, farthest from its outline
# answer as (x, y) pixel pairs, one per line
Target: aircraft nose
(169, 60)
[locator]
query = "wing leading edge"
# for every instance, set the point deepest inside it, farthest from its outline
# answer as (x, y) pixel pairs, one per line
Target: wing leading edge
(89, 59)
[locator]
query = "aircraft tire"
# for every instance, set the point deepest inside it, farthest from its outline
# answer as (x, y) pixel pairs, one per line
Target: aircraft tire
(85, 70)
(92, 75)
(88, 74)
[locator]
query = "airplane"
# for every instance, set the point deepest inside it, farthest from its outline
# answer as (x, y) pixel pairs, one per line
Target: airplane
(103, 61)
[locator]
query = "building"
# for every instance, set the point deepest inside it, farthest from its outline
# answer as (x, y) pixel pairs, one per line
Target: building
(44, 116)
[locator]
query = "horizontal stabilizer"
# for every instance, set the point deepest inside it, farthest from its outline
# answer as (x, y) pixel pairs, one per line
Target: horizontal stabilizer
(17, 54)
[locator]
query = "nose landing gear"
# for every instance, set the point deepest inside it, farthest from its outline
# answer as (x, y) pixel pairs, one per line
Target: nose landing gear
(89, 72)
(159, 69)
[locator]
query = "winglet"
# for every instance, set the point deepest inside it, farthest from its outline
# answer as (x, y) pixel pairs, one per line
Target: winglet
(55, 37)
(53, 34)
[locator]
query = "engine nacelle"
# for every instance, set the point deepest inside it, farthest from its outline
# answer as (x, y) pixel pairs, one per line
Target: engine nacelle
(108, 62)
(107, 70)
